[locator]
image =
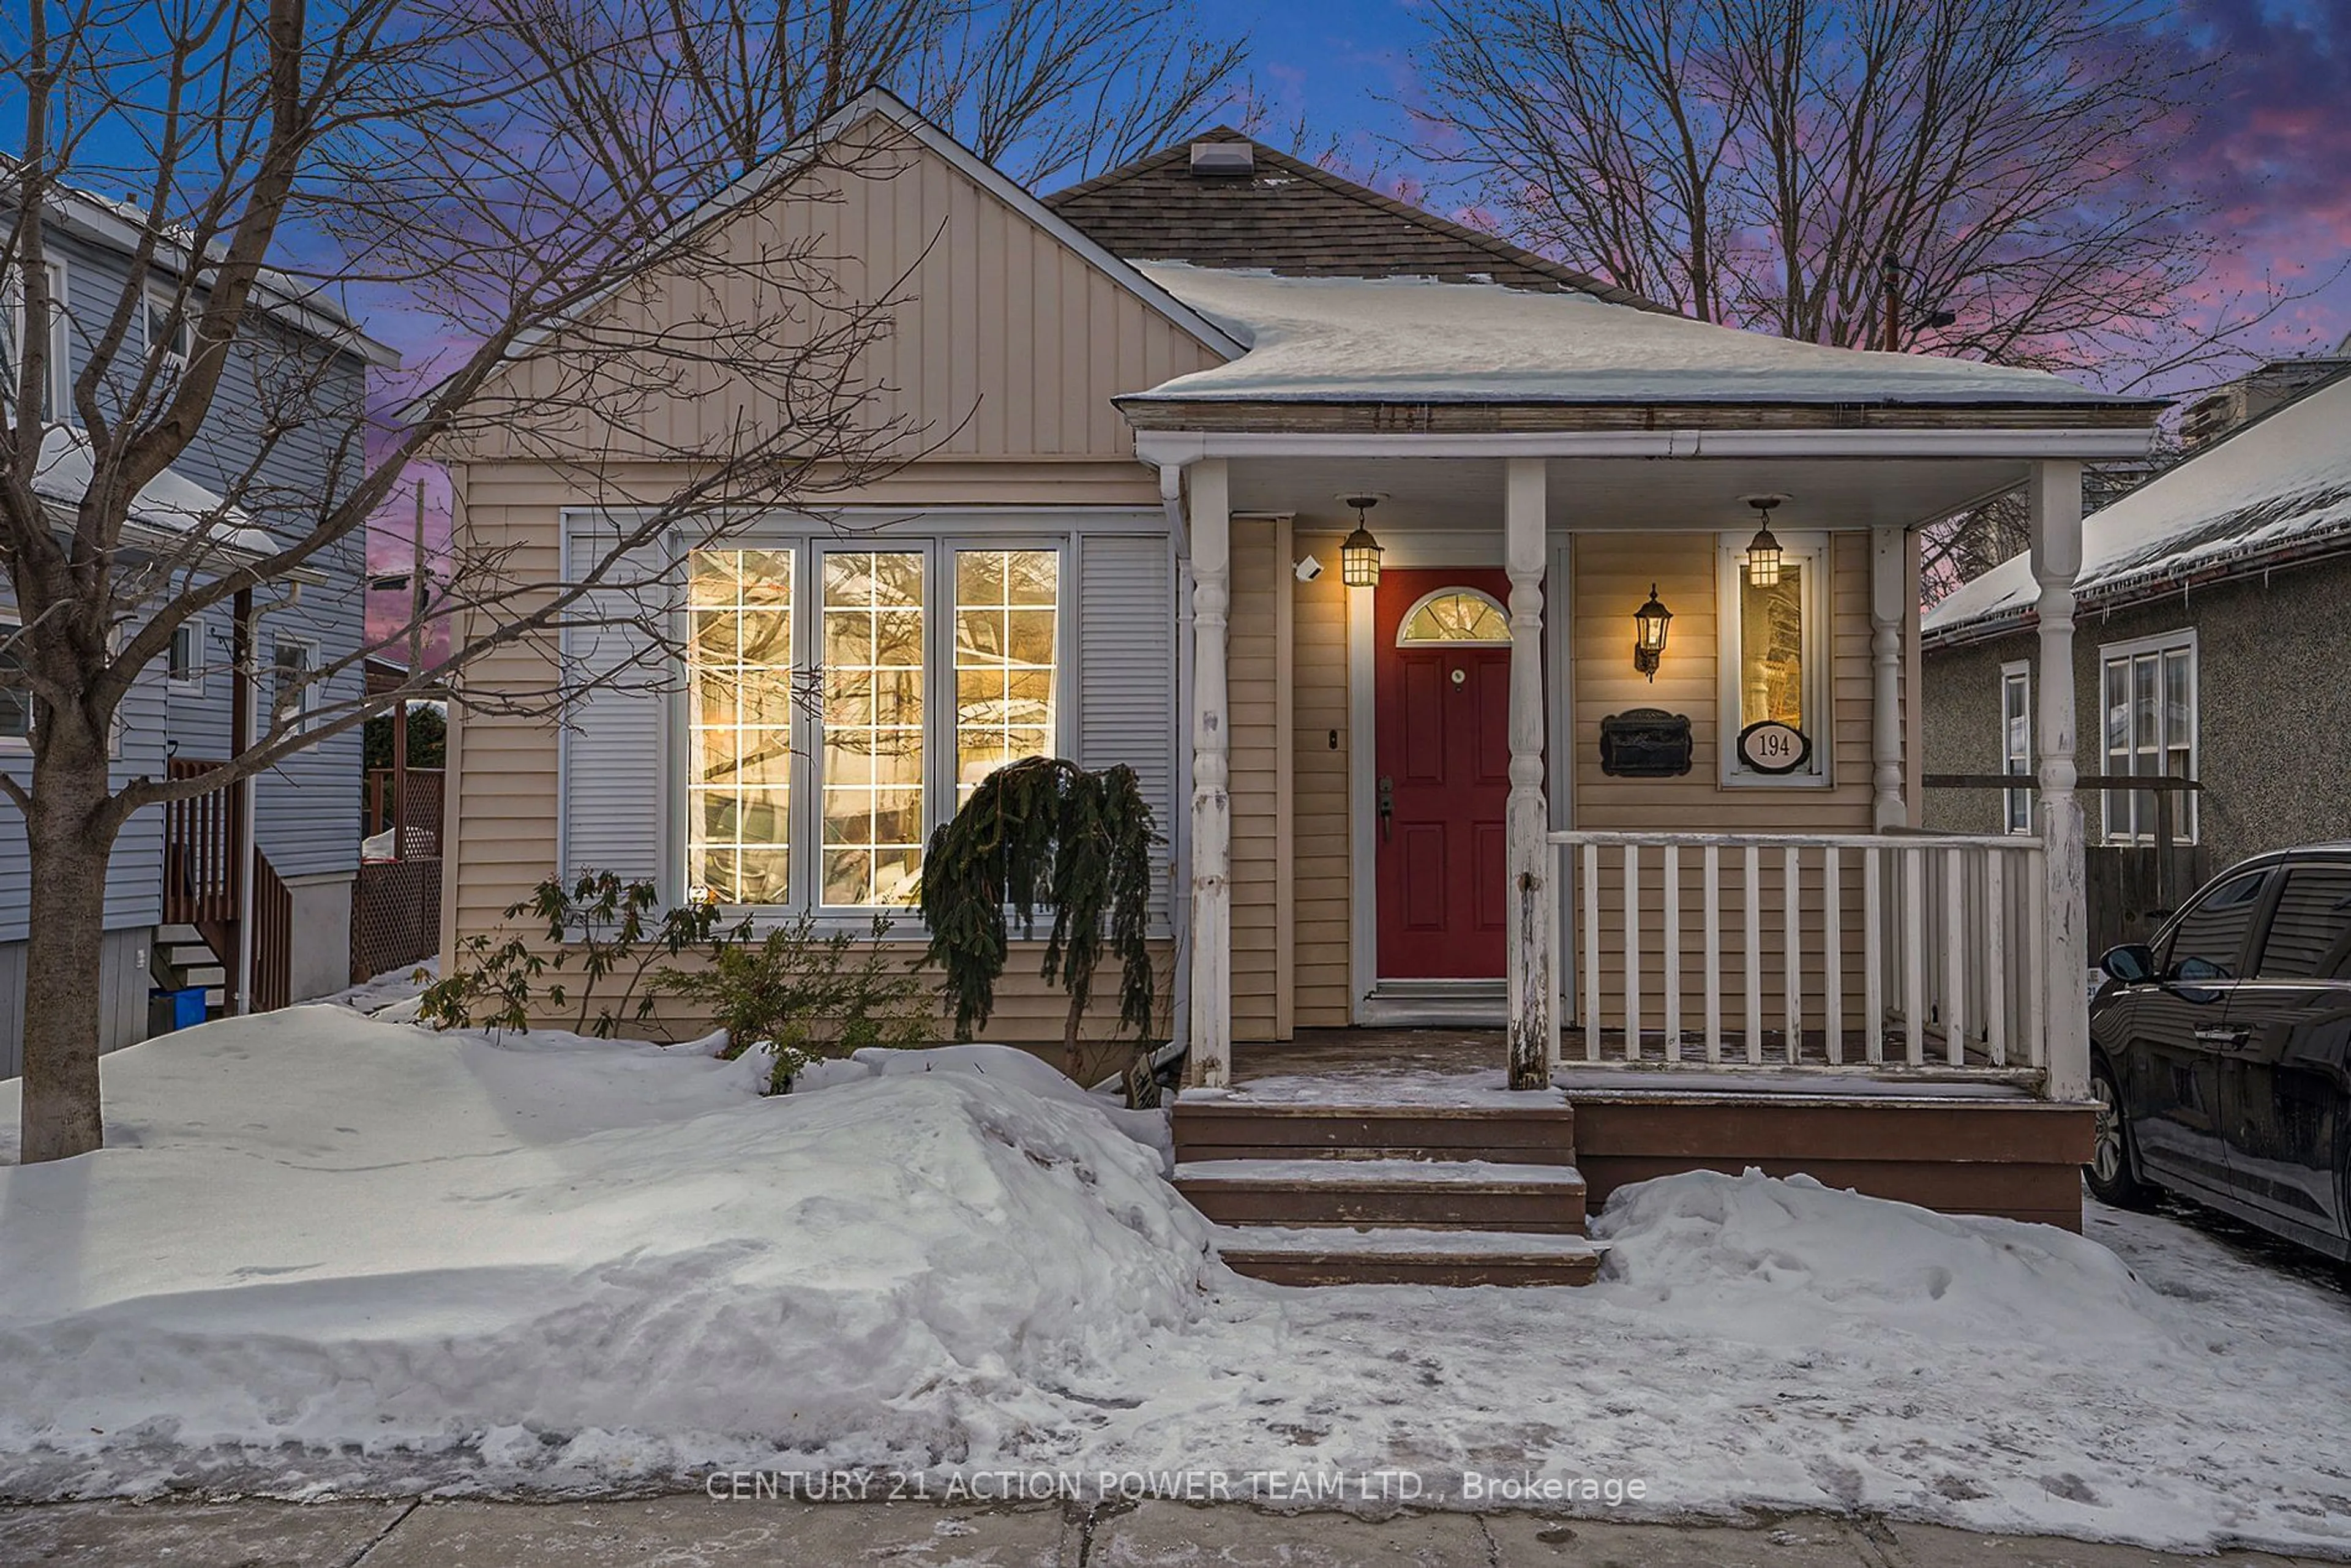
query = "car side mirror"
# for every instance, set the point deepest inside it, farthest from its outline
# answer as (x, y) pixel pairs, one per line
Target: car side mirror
(2131, 963)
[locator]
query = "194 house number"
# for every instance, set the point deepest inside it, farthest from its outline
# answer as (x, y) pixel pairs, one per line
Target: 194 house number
(1770, 745)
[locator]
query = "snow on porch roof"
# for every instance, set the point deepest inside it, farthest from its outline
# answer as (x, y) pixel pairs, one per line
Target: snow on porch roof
(169, 504)
(2280, 482)
(1411, 339)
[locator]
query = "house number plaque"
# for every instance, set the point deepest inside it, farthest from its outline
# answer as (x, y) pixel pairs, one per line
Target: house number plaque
(1769, 746)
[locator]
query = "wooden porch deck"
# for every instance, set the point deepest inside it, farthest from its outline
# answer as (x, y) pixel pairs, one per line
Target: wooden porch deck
(1418, 1052)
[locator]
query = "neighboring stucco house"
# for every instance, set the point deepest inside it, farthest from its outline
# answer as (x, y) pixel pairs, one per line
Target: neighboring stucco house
(306, 812)
(1438, 786)
(2213, 613)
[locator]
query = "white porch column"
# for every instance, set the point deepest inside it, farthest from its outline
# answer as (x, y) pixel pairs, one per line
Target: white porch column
(1209, 1063)
(1528, 817)
(1887, 555)
(2055, 492)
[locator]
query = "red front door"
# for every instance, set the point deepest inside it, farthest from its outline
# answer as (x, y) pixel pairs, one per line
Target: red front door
(1443, 751)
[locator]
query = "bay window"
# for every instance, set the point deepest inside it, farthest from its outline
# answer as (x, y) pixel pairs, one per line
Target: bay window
(2147, 698)
(850, 749)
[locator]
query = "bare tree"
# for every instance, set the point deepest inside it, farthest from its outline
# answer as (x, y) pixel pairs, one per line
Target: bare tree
(519, 173)
(1755, 162)
(1045, 90)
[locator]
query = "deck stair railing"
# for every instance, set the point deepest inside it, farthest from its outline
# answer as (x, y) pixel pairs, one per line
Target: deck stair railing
(204, 885)
(1909, 951)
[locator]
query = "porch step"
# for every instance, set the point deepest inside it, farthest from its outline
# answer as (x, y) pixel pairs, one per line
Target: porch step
(1343, 1256)
(1421, 1194)
(178, 935)
(1236, 1128)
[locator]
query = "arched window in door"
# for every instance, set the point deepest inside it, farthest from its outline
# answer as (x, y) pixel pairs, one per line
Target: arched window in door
(1455, 616)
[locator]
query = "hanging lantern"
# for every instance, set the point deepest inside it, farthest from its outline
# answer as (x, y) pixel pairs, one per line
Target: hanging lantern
(1764, 549)
(1649, 624)
(1359, 552)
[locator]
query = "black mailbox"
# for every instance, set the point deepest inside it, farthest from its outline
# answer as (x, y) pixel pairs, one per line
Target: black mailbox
(1644, 743)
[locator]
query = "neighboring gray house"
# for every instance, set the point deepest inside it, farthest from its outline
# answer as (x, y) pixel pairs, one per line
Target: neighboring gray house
(2212, 637)
(306, 813)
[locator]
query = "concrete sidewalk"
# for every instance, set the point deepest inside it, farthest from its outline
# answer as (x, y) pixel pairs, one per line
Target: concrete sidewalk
(691, 1532)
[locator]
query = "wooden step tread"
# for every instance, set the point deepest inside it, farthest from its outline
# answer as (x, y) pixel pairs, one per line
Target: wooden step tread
(1389, 1175)
(1293, 1255)
(1539, 1104)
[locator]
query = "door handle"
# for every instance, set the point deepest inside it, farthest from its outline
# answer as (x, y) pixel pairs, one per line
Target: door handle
(1387, 806)
(2227, 1038)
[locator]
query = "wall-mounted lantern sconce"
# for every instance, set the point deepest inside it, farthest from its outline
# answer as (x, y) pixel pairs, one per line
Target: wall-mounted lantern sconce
(1763, 551)
(1359, 552)
(1649, 623)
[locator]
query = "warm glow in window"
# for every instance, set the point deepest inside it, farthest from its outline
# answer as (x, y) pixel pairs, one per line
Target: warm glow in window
(1771, 648)
(739, 738)
(873, 726)
(1455, 615)
(1006, 608)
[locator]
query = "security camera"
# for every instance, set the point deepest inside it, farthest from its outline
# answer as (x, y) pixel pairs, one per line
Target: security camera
(1308, 570)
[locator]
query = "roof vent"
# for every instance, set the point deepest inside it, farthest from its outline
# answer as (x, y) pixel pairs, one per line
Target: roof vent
(1223, 158)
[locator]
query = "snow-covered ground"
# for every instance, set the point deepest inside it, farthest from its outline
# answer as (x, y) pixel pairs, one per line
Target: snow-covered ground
(327, 1252)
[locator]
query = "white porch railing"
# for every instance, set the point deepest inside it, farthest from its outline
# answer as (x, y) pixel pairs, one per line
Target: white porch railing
(1805, 950)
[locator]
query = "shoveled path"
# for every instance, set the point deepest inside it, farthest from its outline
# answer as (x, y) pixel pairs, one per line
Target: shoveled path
(693, 1531)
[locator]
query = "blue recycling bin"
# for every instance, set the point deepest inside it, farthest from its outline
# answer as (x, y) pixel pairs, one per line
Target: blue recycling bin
(176, 1008)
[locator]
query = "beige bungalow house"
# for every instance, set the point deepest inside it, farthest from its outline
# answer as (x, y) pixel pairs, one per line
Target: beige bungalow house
(1510, 660)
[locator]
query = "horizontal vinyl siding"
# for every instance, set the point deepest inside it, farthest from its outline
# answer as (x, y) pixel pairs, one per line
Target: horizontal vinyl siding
(1611, 574)
(1254, 678)
(1321, 867)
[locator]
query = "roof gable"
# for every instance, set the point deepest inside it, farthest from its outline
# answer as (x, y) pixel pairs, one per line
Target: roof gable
(1291, 217)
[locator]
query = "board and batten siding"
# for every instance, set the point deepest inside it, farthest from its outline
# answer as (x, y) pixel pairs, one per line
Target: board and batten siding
(1001, 339)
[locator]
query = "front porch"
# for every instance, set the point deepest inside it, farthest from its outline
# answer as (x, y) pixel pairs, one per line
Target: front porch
(1399, 1155)
(1399, 824)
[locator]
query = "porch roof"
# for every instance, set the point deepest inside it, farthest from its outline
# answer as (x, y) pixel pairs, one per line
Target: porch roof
(1324, 341)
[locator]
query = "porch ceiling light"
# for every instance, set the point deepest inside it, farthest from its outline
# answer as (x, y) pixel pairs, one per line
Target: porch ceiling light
(1359, 552)
(1763, 551)
(1649, 624)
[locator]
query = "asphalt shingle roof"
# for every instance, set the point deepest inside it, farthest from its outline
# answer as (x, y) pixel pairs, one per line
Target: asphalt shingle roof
(1292, 219)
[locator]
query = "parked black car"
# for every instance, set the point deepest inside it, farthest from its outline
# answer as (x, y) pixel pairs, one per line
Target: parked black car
(2219, 1052)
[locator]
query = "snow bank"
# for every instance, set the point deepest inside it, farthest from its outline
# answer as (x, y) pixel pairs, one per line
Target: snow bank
(1764, 1260)
(329, 1253)
(319, 1230)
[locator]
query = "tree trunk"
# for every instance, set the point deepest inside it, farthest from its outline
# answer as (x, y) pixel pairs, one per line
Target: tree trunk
(71, 830)
(1072, 1052)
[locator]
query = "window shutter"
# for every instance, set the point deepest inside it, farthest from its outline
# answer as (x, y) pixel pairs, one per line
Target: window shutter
(615, 784)
(1126, 664)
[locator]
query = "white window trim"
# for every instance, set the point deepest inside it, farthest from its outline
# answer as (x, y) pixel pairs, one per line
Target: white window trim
(309, 691)
(11, 292)
(191, 685)
(158, 300)
(1810, 550)
(2021, 671)
(810, 543)
(2160, 643)
(15, 744)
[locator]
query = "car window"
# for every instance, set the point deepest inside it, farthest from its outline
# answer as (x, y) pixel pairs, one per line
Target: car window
(2310, 930)
(2214, 933)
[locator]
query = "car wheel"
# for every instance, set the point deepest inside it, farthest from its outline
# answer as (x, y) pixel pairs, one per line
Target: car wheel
(2109, 1171)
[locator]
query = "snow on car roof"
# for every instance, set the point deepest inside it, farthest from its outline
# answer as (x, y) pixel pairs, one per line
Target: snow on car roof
(2278, 481)
(1420, 339)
